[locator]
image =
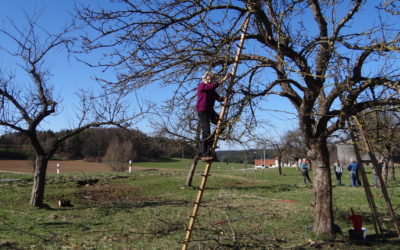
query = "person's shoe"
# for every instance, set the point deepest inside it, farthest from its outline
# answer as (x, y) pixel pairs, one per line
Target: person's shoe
(207, 158)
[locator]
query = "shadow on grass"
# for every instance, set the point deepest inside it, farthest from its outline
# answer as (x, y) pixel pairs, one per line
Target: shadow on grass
(161, 160)
(246, 187)
(372, 239)
(214, 238)
(344, 216)
(151, 204)
(9, 245)
(131, 204)
(59, 224)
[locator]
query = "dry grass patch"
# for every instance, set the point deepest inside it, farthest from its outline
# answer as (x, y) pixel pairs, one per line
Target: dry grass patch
(106, 193)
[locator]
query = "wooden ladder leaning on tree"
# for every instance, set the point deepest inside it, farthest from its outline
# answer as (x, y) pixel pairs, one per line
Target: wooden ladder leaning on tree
(218, 129)
(369, 149)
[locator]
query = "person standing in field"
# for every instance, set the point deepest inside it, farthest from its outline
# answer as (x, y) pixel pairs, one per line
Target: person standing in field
(353, 168)
(206, 97)
(338, 168)
(304, 170)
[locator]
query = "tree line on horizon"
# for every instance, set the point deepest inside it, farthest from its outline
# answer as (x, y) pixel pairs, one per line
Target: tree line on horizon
(117, 145)
(99, 144)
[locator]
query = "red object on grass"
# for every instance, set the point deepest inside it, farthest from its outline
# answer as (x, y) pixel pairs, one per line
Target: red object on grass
(357, 221)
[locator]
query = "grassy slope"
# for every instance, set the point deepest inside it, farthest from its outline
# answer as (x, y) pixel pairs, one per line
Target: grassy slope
(150, 209)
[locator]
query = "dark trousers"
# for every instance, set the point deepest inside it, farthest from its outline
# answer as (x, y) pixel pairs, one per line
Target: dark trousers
(306, 177)
(354, 179)
(205, 120)
(339, 178)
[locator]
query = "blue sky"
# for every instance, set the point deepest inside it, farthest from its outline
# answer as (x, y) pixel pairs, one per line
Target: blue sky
(68, 75)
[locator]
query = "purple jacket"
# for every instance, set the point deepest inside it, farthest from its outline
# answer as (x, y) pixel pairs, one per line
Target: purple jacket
(206, 97)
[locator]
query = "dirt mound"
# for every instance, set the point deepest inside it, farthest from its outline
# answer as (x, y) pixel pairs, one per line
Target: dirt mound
(106, 193)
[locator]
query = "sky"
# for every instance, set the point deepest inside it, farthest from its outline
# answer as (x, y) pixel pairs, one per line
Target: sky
(70, 75)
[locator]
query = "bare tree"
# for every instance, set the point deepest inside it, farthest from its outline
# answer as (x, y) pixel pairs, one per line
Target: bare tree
(310, 52)
(391, 6)
(290, 146)
(276, 144)
(26, 105)
(118, 154)
(383, 129)
(295, 148)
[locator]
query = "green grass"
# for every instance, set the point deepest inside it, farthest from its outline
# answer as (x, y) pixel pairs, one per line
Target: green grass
(179, 163)
(150, 210)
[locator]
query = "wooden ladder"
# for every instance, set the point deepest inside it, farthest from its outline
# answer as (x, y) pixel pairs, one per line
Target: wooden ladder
(218, 130)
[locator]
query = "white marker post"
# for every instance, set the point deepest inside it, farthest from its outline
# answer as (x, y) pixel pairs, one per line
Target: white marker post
(58, 168)
(130, 166)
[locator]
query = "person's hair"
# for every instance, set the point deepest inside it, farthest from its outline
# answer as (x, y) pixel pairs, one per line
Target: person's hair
(208, 73)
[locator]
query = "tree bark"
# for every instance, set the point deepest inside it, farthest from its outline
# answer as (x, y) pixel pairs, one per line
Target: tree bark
(392, 170)
(297, 164)
(192, 170)
(322, 184)
(385, 172)
(280, 165)
(39, 181)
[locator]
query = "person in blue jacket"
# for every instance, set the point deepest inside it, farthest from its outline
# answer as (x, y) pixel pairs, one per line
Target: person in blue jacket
(304, 170)
(353, 168)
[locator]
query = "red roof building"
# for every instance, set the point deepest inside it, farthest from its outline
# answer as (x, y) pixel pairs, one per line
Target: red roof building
(265, 162)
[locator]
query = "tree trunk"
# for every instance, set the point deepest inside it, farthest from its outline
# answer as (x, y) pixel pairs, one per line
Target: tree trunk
(39, 181)
(385, 172)
(297, 162)
(192, 170)
(323, 212)
(280, 165)
(392, 170)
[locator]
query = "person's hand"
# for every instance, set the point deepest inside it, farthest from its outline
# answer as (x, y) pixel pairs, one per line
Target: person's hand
(228, 75)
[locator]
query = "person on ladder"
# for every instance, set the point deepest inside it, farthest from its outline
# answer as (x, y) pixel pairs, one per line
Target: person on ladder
(206, 97)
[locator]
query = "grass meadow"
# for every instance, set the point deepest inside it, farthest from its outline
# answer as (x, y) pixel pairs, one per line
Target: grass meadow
(149, 209)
